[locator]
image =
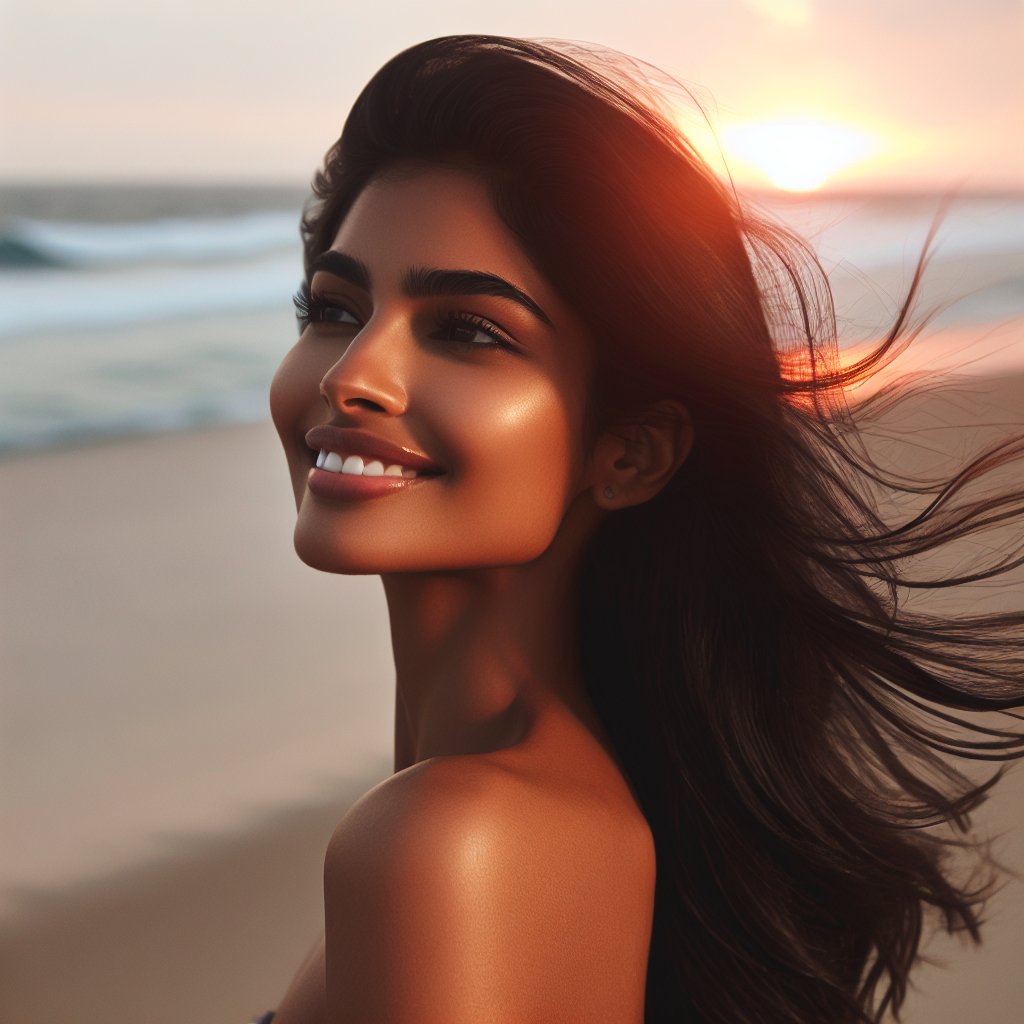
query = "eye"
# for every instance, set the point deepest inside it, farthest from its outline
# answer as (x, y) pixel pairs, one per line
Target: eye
(316, 309)
(466, 331)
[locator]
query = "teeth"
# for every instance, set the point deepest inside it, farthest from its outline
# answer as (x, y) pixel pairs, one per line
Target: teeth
(353, 465)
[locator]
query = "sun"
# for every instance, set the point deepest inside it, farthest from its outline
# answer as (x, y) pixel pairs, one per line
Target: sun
(797, 154)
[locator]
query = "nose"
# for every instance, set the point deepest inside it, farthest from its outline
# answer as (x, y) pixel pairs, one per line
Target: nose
(370, 374)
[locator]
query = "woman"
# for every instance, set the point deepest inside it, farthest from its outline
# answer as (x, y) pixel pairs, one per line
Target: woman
(665, 737)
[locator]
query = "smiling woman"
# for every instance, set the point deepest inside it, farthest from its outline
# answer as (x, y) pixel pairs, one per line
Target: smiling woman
(669, 745)
(466, 400)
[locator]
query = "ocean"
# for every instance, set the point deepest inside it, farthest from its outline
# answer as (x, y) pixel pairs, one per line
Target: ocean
(127, 309)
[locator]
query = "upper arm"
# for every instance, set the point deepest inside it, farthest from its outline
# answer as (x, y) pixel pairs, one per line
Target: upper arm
(445, 903)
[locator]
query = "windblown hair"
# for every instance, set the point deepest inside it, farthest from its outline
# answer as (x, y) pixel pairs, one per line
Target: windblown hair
(788, 723)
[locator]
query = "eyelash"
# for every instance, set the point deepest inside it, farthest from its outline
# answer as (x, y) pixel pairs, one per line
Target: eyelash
(311, 309)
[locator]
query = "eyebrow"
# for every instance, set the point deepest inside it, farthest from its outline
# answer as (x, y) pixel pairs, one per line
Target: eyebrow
(342, 265)
(420, 282)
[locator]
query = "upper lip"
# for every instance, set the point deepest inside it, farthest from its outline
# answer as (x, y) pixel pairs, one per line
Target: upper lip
(349, 441)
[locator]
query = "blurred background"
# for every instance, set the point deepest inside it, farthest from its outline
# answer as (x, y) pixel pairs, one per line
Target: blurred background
(186, 710)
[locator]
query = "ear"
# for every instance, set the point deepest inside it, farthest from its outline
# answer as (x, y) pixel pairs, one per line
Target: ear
(633, 460)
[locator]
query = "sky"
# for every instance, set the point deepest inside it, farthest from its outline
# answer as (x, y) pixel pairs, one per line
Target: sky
(895, 93)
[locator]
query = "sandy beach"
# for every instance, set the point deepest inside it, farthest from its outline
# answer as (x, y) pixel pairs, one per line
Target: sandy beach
(187, 711)
(185, 718)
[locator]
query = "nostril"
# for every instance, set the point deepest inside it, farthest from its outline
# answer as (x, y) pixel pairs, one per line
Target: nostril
(364, 403)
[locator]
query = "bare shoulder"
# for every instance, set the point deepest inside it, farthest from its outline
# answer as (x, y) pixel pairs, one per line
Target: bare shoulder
(462, 890)
(423, 802)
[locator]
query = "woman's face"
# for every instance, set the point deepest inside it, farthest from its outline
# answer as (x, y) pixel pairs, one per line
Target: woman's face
(432, 344)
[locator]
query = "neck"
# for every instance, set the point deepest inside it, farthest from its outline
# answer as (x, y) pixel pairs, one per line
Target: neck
(481, 655)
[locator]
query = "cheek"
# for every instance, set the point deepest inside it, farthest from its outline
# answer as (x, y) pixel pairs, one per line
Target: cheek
(294, 391)
(285, 388)
(518, 464)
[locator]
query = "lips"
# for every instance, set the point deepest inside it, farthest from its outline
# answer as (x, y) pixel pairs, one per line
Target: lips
(346, 442)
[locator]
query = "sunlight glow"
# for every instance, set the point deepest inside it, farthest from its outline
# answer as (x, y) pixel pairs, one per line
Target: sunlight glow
(798, 155)
(792, 13)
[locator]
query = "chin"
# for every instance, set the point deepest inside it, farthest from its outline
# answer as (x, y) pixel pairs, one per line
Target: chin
(334, 554)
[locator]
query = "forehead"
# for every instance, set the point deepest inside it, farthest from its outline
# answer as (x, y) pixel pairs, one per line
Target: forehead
(437, 218)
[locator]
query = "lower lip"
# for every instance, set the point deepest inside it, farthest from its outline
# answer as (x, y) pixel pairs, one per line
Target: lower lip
(346, 487)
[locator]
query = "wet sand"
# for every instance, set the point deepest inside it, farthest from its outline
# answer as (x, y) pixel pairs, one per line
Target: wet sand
(186, 713)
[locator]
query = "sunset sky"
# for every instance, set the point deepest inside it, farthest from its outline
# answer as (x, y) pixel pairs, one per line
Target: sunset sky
(862, 93)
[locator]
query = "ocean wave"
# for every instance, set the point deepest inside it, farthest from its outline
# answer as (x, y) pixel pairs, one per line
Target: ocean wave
(874, 236)
(44, 243)
(92, 300)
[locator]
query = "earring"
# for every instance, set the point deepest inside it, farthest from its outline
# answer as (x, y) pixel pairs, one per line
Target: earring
(609, 493)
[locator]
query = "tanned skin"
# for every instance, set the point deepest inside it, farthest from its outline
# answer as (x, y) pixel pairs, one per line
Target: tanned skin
(504, 873)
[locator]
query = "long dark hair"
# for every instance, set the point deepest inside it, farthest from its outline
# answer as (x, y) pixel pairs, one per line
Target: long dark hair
(784, 718)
